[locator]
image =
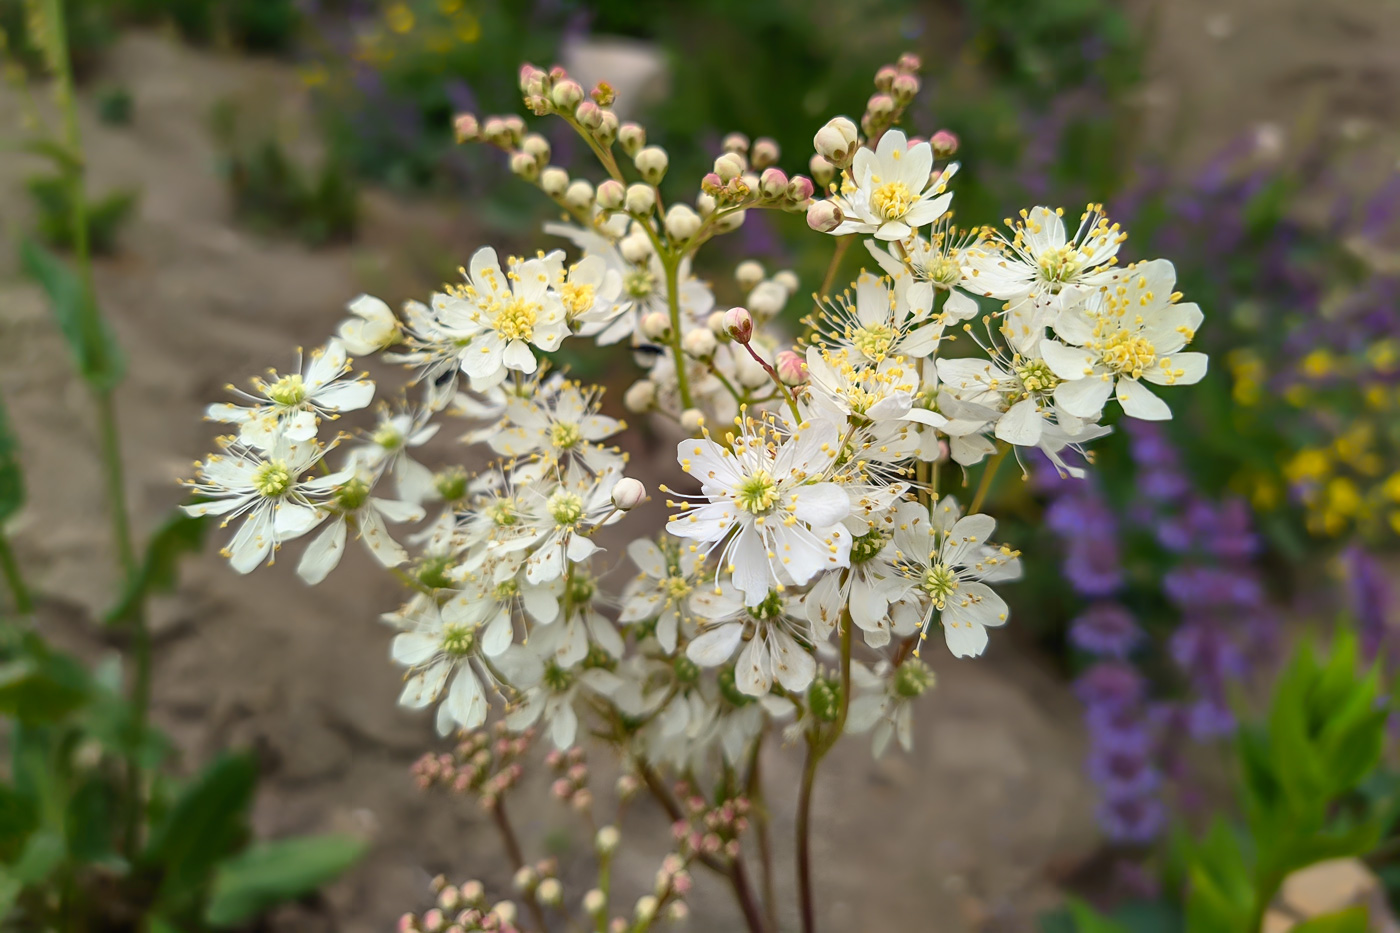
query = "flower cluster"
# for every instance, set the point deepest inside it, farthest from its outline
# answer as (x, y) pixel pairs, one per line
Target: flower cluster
(819, 489)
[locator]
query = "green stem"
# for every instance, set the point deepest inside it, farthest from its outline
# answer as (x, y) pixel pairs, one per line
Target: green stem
(759, 804)
(672, 262)
(842, 244)
(804, 836)
(24, 604)
(517, 858)
(988, 475)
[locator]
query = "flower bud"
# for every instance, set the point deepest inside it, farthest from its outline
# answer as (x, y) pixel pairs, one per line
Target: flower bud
(788, 280)
(531, 78)
(656, 325)
(567, 95)
(909, 63)
(792, 368)
(524, 165)
(465, 127)
(736, 143)
(645, 911)
(731, 221)
(739, 323)
(651, 162)
(767, 299)
(626, 496)
(800, 189)
(944, 143)
(434, 921)
(729, 166)
(505, 911)
(579, 195)
(632, 137)
(764, 153)
(677, 912)
(773, 183)
(606, 132)
(627, 786)
(537, 146)
(640, 199)
(884, 78)
(611, 195)
(824, 216)
(692, 420)
(749, 273)
(822, 171)
(589, 115)
(635, 247)
(607, 838)
(495, 131)
(705, 204)
(525, 879)
(904, 88)
(715, 322)
(473, 892)
(594, 902)
(550, 892)
(682, 223)
(880, 106)
(836, 141)
(553, 181)
(699, 343)
(515, 127)
(640, 396)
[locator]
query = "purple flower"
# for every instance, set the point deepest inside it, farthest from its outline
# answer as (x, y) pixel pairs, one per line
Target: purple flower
(1110, 683)
(1133, 819)
(1106, 628)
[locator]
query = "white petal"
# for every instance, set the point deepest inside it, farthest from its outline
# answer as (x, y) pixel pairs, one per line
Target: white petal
(715, 646)
(323, 554)
(1139, 402)
(1084, 398)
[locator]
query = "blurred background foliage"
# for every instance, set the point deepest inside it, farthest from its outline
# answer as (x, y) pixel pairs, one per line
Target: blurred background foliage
(1281, 474)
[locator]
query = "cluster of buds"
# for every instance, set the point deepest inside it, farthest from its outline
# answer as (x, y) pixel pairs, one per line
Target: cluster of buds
(540, 882)
(481, 764)
(895, 88)
(571, 786)
(461, 910)
(710, 830)
(744, 175)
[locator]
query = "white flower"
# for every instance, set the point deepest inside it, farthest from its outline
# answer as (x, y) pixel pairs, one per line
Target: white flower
(890, 192)
(560, 424)
(435, 350)
(550, 689)
(884, 702)
(768, 503)
(1038, 271)
(883, 321)
(371, 327)
(505, 314)
(938, 260)
(1129, 332)
(773, 651)
(266, 487)
(591, 293)
(387, 452)
(864, 392)
(945, 561)
(872, 588)
(660, 591)
(352, 503)
(293, 404)
(554, 522)
(441, 642)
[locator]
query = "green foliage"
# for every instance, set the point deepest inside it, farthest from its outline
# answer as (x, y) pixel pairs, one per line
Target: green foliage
(1047, 45)
(91, 29)
(11, 476)
(95, 351)
(114, 106)
(181, 534)
(52, 196)
(270, 873)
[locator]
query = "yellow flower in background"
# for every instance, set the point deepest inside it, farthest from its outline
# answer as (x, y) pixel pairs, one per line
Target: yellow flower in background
(1384, 355)
(1376, 396)
(1391, 487)
(1296, 395)
(467, 29)
(314, 75)
(399, 18)
(1248, 370)
(448, 7)
(1319, 363)
(1308, 464)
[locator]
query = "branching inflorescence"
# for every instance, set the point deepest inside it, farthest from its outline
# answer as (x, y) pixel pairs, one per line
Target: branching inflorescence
(810, 506)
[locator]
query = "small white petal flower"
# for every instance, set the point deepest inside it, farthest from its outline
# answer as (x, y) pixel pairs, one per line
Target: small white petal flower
(351, 503)
(370, 328)
(891, 191)
(777, 647)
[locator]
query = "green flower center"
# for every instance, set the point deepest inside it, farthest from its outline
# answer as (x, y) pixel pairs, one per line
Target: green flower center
(757, 493)
(352, 495)
(912, 678)
(502, 513)
(287, 391)
(867, 546)
(1037, 376)
(566, 507)
(874, 341)
(564, 435)
(272, 479)
(939, 583)
(557, 678)
(506, 590)
(458, 640)
(639, 283)
(451, 483)
(687, 671)
(944, 272)
(389, 437)
(432, 572)
(1060, 265)
(582, 589)
(770, 608)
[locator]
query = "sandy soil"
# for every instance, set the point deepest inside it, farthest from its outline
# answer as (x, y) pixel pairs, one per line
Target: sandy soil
(967, 833)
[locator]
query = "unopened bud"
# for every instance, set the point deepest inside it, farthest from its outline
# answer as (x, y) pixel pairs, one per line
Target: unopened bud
(635, 248)
(553, 181)
(824, 216)
(909, 63)
(822, 170)
(607, 838)
(884, 78)
(515, 127)
(640, 199)
(473, 892)
(682, 223)
(524, 165)
(836, 141)
(880, 106)
(537, 146)
(904, 88)
(628, 494)
(525, 879)
(699, 344)
(764, 153)
(589, 115)
(505, 911)
(495, 131)
(632, 137)
(705, 204)
(792, 368)
(739, 323)
(737, 143)
(788, 280)
(594, 902)
(715, 322)
(579, 195)
(729, 166)
(773, 183)
(944, 143)
(611, 195)
(692, 420)
(627, 786)
(651, 162)
(640, 396)
(800, 189)
(749, 273)
(731, 221)
(567, 95)
(606, 132)
(766, 299)
(550, 892)
(465, 127)
(677, 912)
(646, 908)
(656, 325)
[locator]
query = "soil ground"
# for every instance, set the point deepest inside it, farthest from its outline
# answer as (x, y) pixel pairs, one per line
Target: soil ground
(969, 832)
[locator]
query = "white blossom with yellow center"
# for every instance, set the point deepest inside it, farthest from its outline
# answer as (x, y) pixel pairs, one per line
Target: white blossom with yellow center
(892, 191)
(884, 318)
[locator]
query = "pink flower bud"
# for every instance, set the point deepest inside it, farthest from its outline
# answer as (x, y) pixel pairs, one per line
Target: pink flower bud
(773, 183)
(880, 106)
(629, 493)
(824, 216)
(909, 63)
(736, 143)
(764, 153)
(904, 88)
(944, 143)
(885, 77)
(567, 95)
(589, 115)
(800, 189)
(792, 368)
(836, 141)
(739, 324)
(465, 127)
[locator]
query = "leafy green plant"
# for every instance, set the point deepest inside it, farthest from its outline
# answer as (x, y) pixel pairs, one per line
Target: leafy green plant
(114, 106)
(104, 217)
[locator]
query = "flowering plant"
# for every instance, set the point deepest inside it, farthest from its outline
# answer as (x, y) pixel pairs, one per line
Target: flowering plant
(815, 495)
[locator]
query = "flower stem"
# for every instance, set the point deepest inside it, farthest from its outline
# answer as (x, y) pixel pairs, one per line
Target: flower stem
(773, 374)
(672, 262)
(517, 857)
(804, 836)
(24, 604)
(843, 243)
(762, 818)
(988, 475)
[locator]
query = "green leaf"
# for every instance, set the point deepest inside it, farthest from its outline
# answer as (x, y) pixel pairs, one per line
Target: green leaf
(42, 854)
(206, 823)
(268, 874)
(94, 348)
(1351, 920)
(92, 820)
(17, 821)
(181, 534)
(40, 684)
(11, 478)
(1089, 920)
